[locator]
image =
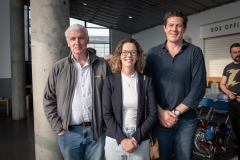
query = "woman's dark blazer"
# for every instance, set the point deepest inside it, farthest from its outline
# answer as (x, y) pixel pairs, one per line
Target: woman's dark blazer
(112, 108)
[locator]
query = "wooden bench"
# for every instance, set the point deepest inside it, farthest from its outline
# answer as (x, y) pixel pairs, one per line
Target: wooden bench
(5, 101)
(29, 101)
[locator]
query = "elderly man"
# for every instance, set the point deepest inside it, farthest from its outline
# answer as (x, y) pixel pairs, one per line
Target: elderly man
(72, 99)
(179, 78)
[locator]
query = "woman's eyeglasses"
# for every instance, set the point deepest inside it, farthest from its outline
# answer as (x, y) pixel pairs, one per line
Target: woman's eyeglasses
(125, 53)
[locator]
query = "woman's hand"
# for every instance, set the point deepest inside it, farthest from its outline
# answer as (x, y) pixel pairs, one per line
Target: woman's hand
(134, 141)
(129, 145)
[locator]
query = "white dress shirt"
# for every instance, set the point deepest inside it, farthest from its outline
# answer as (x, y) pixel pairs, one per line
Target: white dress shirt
(81, 110)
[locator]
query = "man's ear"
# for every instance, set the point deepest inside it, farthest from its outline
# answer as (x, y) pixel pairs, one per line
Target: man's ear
(164, 28)
(67, 42)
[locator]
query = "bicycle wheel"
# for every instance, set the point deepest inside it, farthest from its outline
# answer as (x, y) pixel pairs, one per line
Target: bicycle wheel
(200, 145)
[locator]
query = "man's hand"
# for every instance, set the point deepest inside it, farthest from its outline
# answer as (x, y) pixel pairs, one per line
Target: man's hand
(129, 145)
(231, 95)
(61, 132)
(166, 118)
(238, 98)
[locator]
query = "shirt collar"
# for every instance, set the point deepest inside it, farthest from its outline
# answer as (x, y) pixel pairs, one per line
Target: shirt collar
(74, 61)
(185, 44)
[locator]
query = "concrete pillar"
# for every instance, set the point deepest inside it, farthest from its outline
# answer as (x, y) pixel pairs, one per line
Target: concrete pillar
(18, 73)
(49, 20)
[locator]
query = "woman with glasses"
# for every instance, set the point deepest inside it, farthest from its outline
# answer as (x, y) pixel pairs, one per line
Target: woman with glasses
(127, 135)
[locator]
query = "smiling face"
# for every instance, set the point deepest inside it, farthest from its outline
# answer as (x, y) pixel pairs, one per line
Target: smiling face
(129, 55)
(77, 42)
(174, 29)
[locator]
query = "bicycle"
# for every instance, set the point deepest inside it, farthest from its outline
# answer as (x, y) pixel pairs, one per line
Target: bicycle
(211, 139)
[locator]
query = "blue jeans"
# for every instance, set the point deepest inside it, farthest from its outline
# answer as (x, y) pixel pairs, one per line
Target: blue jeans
(180, 138)
(77, 144)
(113, 150)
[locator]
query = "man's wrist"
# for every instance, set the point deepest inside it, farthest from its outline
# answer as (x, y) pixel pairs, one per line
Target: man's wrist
(177, 112)
(160, 108)
(123, 140)
(228, 92)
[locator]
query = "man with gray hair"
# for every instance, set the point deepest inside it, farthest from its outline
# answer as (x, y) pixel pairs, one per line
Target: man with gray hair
(187, 38)
(73, 99)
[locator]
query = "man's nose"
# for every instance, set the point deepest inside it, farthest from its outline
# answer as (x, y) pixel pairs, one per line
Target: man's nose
(174, 28)
(77, 41)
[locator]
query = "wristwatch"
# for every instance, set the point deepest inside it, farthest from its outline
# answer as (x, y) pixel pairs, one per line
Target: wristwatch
(177, 112)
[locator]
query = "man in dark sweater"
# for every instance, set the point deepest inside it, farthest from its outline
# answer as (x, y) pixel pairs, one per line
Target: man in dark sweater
(179, 76)
(230, 84)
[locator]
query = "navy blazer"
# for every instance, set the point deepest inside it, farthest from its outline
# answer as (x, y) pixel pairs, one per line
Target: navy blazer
(112, 108)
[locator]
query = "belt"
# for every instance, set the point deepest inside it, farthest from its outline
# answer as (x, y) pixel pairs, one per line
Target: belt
(84, 124)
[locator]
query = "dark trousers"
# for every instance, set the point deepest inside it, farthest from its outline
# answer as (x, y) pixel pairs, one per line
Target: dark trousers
(234, 115)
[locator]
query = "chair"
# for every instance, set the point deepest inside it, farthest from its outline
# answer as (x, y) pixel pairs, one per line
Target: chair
(222, 97)
(6, 102)
(29, 97)
(29, 101)
(220, 107)
(205, 102)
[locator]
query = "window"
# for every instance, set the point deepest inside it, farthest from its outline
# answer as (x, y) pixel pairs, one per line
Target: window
(98, 37)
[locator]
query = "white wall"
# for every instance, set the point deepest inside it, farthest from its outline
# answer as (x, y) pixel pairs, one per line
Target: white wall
(154, 36)
(5, 61)
(116, 37)
(150, 37)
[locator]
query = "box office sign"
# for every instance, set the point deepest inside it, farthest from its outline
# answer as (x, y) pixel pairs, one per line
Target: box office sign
(221, 28)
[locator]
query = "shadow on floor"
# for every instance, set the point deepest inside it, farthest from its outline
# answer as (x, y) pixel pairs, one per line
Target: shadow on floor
(17, 138)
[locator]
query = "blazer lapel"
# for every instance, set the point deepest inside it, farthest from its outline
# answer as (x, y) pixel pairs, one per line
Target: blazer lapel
(140, 109)
(118, 93)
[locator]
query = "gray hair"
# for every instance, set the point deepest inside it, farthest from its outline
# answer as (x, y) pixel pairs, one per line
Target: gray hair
(187, 38)
(76, 27)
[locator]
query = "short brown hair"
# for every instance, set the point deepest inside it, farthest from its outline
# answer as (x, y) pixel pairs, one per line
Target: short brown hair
(175, 14)
(92, 50)
(116, 63)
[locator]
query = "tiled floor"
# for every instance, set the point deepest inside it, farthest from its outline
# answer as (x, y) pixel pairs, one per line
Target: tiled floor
(17, 139)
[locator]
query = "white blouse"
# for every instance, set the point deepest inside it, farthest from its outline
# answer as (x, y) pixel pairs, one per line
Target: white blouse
(130, 99)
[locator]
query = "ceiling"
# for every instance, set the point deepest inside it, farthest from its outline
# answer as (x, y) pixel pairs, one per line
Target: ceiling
(145, 13)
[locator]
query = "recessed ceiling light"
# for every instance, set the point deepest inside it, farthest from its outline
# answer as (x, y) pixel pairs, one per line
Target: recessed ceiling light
(84, 4)
(130, 17)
